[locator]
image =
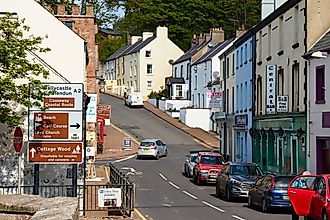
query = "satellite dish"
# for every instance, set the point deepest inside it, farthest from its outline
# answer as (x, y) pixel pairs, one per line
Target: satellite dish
(210, 45)
(170, 61)
(215, 74)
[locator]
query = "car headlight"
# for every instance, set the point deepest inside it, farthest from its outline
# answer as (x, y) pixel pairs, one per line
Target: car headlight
(235, 182)
(204, 172)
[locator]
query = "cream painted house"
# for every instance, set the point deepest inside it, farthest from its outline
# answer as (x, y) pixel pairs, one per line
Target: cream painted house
(280, 141)
(66, 63)
(148, 62)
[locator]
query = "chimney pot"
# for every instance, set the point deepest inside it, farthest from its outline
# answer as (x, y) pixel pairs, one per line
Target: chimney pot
(61, 10)
(75, 10)
(89, 10)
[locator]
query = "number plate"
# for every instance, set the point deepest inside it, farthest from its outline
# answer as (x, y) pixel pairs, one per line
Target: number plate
(285, 197)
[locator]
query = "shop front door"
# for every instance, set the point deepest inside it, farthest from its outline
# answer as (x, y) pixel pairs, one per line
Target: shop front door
(323, 155)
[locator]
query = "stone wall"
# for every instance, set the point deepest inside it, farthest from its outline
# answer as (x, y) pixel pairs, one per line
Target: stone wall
(37, 208)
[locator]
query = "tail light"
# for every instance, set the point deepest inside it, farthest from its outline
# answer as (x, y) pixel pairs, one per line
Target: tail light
(272, 185)
(154, 147)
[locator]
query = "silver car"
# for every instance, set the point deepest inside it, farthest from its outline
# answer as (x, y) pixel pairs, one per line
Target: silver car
(189, 163)
(152, 148)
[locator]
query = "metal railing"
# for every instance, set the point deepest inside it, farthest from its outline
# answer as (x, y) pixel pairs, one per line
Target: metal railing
(117, 178)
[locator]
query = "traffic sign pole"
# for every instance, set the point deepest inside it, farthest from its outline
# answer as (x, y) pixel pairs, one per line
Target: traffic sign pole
(36, 180)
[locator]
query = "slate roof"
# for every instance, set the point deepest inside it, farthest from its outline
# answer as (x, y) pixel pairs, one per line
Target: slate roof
(212, 52)
(140, 44)
(116, 54)
(323, 45)
(109, 31)
(192, 51)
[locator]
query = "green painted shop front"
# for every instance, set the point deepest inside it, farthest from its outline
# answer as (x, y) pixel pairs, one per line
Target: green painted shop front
(279, 143)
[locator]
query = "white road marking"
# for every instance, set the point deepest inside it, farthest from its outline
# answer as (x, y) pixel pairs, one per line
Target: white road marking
(123, 159)
(237, 217)
(175, 186)
(162, 176)
(188, 194)
(214, 207)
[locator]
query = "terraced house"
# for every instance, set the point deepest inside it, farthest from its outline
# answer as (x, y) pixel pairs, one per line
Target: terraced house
(280, 140)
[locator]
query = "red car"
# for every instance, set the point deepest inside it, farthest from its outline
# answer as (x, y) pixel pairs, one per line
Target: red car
(208, 165)
(310, 196)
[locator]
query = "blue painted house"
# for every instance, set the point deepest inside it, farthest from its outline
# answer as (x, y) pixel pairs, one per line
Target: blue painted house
(244, 98)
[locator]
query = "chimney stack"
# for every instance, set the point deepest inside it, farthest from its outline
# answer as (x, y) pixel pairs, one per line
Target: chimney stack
(240, 31)
(146, 35)
(201, 38)
(217, 35)
(194, 40)
(162, 32)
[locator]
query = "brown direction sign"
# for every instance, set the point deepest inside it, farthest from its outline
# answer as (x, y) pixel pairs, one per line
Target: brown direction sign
(104, 111)
(53, 153)
(54, 102)
(48, 125)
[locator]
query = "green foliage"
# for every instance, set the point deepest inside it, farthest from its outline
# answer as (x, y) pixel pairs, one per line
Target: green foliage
(187, 17)
(108, 46)
(19, 76)
(158, 95)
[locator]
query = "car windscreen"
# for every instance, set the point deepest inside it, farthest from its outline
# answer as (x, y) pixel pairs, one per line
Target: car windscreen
(147, 144)
(211, 159)
(241, 170)
(282, 182)
(193, 157)
(254, 170)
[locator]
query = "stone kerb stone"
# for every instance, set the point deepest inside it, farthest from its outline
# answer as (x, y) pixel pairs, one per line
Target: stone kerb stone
(40, 208)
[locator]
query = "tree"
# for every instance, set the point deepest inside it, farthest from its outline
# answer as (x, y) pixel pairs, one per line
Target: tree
(19, 75)
(109, 46)
(184, 18)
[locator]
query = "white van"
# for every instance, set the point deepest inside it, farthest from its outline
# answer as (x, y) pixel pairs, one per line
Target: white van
(134, 100)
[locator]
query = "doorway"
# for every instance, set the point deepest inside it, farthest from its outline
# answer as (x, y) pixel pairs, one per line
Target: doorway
(294, 154)
(323, 155)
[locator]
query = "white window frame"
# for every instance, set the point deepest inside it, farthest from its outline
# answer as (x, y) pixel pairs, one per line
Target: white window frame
(149, 86)
(151, 73)
(149, 54)
(178, 91)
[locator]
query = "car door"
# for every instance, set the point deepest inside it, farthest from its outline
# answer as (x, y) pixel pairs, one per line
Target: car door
(301, 191)
(319, 197)
(160, 147)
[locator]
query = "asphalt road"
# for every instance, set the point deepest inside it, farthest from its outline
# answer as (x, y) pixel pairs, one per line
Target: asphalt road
(162, 192)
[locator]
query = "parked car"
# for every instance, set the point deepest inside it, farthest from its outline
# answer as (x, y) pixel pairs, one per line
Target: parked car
(152, 148)
(270, 191)
(235, 179)
(310, 196)
(207, 167)
(134, 100)
(189, 163)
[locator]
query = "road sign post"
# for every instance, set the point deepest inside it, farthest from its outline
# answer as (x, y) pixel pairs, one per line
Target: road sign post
(56, 134)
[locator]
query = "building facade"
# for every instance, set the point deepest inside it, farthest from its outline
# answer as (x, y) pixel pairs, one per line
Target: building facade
(280, 140)
(244, 103)
(147, 66)
(319, 115)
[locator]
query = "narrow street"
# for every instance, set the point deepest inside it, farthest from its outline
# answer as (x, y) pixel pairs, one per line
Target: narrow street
(162, 192)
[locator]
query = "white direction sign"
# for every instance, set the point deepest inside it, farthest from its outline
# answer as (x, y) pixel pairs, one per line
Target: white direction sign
(55, 126)
(66, 97)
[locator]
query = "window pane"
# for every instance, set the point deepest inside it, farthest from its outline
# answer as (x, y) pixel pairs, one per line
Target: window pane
(320, 84)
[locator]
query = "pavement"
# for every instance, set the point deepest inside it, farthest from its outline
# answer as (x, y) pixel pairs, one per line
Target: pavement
(113, 150)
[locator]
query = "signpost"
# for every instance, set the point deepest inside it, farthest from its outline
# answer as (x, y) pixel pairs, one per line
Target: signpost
(56, 134)
(18, 146)
(55, 153)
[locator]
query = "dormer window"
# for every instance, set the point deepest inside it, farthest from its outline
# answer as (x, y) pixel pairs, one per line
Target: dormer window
(148, 53)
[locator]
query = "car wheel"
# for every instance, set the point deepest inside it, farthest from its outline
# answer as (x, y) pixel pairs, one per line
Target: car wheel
(165, 155)
(217, 191)
(250, 203)
(324, 215)
(196, 180)
(228, 194)
(264, 205)
(157, 156)
(294, 215)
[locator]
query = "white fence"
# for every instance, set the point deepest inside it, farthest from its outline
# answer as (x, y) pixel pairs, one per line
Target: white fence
(196, 118)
